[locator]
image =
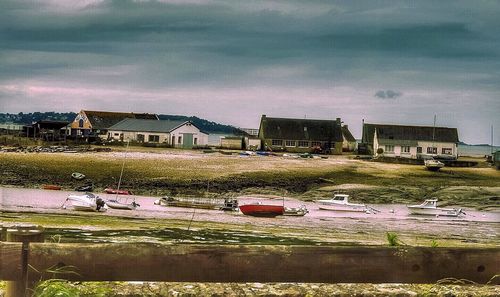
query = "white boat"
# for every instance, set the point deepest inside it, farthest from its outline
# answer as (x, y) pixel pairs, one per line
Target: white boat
(429, 207)
(87, 202)
(120, 202)
(113, 203)
(296, 211)
(433, 165)
(340, 202)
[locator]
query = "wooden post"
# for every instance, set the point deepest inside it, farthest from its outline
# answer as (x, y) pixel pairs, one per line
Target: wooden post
(24, 234)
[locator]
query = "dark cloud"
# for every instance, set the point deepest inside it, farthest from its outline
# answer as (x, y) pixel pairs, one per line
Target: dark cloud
(388, 94)
(148, 47)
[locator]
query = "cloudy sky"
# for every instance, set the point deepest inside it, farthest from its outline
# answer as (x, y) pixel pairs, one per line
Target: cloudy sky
(232, 61)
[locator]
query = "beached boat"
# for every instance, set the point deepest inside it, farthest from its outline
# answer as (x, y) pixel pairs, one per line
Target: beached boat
(117, 192)
(118, 202)
(77, 175)
(340, 202)
(51, 187)
(87, 202)
(296, 211)
(191, 202)
(85, 188)
(262, 210)
(114, 203)
(230, 205)
(429, 207)
(433, 165)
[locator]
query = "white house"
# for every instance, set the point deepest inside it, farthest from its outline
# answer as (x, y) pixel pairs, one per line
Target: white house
(411, 141)
(182, 134)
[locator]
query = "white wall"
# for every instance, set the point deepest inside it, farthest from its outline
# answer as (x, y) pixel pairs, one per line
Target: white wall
(189, 128)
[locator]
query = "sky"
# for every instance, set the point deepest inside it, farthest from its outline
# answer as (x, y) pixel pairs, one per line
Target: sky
(396, 62)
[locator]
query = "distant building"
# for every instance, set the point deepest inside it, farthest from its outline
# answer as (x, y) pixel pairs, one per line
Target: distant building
(47, 130)
(301, 135)
(410, 141)
(9, 126)
(233, 142)
(182, 134)
(250, 131)
(93, 124)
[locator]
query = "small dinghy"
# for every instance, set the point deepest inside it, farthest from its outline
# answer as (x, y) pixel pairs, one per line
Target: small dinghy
(296, 211)
(118, 192)
(85, 188)
(87, 202)
(51, 187)
(115, 204)
(429, 207)
(77, 175)
(433, 165)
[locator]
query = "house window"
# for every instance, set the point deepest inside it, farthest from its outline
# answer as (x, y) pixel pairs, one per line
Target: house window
(405, 149)
(117, 134)
(140, 137)
(303, 143)
(389, 149)
(154, 138)
(80, 123)
(446, 151)
(277, 142)
(195, 141)
(290, 143)
(315, 143)
(432, 150)
(419, 149)
(179, 139)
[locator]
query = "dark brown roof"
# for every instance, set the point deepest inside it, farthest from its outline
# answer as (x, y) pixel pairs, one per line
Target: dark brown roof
(106, 119)
(399, 132)
(300, 129)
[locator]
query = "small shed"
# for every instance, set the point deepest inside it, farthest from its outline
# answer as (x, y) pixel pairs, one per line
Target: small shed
(233, 142)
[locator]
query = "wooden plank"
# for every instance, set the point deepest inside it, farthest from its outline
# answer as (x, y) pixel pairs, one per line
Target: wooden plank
(10, 260)
(210, 263)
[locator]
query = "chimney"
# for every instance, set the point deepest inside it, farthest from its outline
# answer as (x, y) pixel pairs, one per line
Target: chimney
(346, 126)
(339, 123)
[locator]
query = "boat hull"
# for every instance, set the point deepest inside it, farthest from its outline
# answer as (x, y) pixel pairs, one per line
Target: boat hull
(119, 192)
(85, 203)
(449, 212)
(119, 205)
(342, 207)
(262, 210)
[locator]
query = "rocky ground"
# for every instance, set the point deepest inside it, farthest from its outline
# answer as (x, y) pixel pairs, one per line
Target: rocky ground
(129, 289)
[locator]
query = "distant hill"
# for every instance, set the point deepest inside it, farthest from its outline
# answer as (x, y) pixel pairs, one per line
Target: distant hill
(28, 118)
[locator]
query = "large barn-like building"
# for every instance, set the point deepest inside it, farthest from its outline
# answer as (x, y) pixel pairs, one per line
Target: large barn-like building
(301, 135)
(182, 134)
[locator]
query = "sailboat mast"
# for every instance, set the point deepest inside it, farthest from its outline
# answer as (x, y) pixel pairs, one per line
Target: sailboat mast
(434, 134)
(121, 173)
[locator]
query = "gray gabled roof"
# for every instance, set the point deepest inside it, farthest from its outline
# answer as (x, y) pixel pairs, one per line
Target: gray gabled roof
(138, 125)
(409, 133)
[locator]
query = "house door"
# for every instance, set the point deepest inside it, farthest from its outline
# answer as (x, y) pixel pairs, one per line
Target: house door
(187, 140)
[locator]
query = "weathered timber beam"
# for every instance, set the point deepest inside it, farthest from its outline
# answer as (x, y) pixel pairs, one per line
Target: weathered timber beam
(244, 263)
(10, 260)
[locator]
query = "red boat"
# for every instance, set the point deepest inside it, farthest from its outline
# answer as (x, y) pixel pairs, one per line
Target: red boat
(262, 210)
(119, 192)
(51, 187)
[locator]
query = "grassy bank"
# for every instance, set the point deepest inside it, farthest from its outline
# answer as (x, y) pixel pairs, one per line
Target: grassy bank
(174, 172)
